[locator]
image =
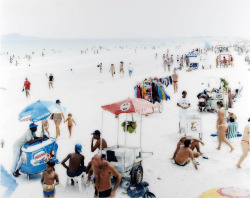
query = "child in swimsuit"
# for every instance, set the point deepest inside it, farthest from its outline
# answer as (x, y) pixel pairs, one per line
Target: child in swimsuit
(70, 121)
(48, 178)
(45, 125)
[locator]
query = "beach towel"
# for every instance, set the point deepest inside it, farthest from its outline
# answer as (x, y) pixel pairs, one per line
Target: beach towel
(233, 128)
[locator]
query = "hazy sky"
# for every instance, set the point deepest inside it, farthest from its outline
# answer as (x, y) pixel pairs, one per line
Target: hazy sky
(126, 18)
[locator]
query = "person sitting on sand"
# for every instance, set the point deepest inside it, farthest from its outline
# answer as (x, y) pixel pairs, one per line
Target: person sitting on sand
(96, 136)
(184, 153)
(231, 115)
(245, 144)
(222, 126)
(103, 171)
(49, 176)
(194, 144)
(76, 163)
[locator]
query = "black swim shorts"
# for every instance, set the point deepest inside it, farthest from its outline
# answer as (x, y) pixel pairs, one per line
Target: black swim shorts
(105, 193)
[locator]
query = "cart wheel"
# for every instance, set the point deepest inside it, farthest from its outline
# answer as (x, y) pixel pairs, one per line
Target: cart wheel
(28, 177)
(160, 108)
(136, 174)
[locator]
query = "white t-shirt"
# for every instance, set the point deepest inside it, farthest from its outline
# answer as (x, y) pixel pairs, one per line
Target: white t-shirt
(27, 136)
(183, 102)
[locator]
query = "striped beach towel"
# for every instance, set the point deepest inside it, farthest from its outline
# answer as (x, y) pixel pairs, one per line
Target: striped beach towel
(233, 128)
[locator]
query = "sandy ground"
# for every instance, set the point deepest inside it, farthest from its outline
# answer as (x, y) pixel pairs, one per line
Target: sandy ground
(84, 90)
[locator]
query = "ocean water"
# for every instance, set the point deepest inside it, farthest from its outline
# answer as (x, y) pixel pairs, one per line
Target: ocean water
(27, 46)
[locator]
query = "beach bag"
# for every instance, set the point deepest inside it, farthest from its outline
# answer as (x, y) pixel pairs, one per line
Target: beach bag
(137, 190)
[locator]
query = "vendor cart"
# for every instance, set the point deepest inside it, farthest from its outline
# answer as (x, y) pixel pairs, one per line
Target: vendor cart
(128, 159)
(190, 123)
(35, 156)
(194, 62)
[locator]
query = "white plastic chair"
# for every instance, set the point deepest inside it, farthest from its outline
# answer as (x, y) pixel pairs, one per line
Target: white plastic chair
(77, 179)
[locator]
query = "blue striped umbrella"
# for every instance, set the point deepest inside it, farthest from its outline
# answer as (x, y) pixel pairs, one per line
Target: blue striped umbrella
(40, 110)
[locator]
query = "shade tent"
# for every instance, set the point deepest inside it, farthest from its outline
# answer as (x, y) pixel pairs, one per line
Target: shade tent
(130, 105)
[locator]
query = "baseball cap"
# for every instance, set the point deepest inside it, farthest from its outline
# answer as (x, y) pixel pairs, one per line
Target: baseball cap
(96, 132)
(78, 148)
(58, 101)
(33, 125)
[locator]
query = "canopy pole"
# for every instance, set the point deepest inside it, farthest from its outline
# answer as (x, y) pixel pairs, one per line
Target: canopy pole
(125, 143)
(141, 136)
(101, 134)
(118, 131)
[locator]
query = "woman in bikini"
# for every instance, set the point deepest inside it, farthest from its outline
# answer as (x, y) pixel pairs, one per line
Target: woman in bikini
(245, 144)
(58, 119)
(222, 126)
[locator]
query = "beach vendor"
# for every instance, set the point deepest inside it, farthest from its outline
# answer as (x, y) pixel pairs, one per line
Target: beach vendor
(30, 137)
(76, 163)
(184, 155)
(49, 176)
(183, 102)
(103, 170)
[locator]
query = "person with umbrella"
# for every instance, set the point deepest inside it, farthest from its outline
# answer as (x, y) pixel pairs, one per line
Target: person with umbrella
(57, 117)
(30, 137)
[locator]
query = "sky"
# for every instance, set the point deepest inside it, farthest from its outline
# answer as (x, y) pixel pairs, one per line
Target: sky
(125, 18)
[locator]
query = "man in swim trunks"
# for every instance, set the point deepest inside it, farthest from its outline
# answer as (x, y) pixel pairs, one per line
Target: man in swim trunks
(245, 144)
(26, 87)
(48, 178)
(175, 78)
(97, 136)
(184, 153)
(103, 171)
(194, 144)
(222, 126)
(76, 163)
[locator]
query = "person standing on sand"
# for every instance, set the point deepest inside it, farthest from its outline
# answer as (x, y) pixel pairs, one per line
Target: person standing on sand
(165, 63)
(222, 126)
(112, 70)
(245, 144)
(103, 171)
(45, 127)
(49, 176)
(70, 123)
(121, 69)
(100, 66)
(130, 70)
(26, 87)
(169, 64)
(51, 80)
(175, 78)
(57, 117)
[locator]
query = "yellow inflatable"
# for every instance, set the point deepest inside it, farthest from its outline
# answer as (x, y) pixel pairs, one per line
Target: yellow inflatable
(226, 193)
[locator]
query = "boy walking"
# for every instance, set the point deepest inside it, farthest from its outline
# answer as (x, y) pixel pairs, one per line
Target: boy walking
(70, 121)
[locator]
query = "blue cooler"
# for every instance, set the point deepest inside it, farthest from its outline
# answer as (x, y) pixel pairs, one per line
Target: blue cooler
(35, 156)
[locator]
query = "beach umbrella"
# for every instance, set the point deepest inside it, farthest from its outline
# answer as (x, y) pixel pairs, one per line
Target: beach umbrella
(230, 192)
(40, 110)
(130, 105)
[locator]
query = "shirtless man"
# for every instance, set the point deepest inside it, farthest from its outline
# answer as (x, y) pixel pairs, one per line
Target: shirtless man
(175, 77)
(222, 126)
(184, 153)
(121, 68)
(96, 136)
(76, 163)
(103, 171)
(194, 144)
(100, 67)
(245, 144)
(48, 178)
